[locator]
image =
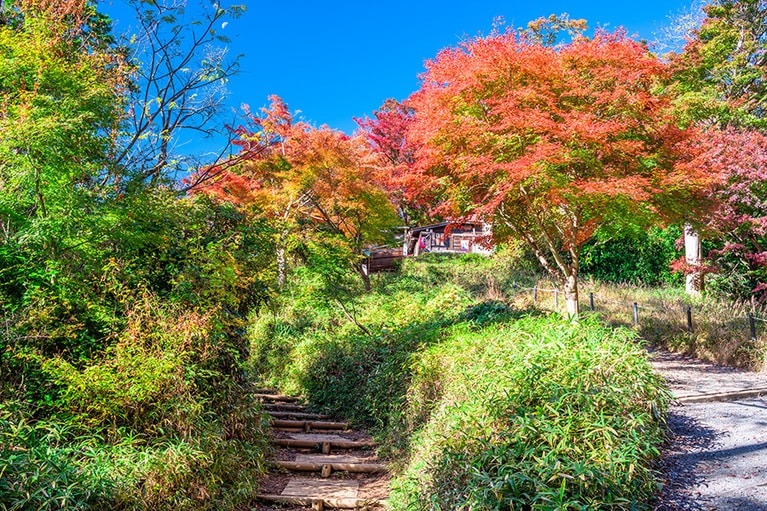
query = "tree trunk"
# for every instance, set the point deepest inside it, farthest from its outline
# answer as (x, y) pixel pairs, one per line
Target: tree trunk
(571, 295)
(362, 272)
(281, 266)
(693, 253)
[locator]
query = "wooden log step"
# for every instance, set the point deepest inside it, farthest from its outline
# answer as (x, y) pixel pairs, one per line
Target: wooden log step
(365, 468)
(297, 415)
(281, 423)
(278, 398)
(311, 444)
(323, 502)
(266, 391)
(284, 407)
(290, 430)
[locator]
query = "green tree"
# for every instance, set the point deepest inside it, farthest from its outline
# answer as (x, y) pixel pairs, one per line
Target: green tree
(60, 101)
(720, 74)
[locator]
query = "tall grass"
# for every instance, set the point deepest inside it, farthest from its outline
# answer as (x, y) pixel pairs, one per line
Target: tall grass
(489, 406)
(720, 326)
(533, 414)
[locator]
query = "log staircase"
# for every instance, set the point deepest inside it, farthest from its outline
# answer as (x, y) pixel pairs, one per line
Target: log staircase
(320, 463)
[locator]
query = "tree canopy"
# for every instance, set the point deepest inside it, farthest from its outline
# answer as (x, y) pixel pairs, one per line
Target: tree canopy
(308, 181)
(549, 143)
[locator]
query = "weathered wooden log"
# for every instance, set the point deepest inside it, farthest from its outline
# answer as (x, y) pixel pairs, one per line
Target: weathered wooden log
(362, 468)
(298, 415)
(327, 502)
(283, 423)
(284, 407)
(318, 444)
(291, 430)
(278, 398)
(328, 425)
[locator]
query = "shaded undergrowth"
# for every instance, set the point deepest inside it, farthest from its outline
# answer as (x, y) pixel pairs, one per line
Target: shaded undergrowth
(487, 406)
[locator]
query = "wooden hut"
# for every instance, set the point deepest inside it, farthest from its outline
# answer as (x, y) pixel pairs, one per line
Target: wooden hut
(461, 237)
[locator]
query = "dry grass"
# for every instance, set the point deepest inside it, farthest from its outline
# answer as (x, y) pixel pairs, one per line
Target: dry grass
(720, 329)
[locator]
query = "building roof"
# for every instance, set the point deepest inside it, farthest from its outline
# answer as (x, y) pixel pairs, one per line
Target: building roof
(422, 228)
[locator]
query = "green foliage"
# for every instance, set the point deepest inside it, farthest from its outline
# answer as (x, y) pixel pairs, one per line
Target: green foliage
(47, 466)
(40, 468)
(310, 349)
(719, 77)
(493, 408)
(123, 303)
(643, 257)
(537, 414)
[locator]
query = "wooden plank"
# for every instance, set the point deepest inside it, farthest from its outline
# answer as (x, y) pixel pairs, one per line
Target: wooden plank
(353, 444)
(298, 415)
(287, 423)
(328, 458)
(278, 397)
(317, 437)
(359, 468)
(322, 488)
(327, 502)
(310, 444)
(284, 406)
(328, 425)
(301, 444)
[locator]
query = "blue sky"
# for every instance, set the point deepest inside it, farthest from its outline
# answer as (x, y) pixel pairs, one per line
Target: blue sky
(335, 60)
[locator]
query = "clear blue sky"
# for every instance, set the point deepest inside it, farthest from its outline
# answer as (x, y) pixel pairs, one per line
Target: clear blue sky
(335, 60)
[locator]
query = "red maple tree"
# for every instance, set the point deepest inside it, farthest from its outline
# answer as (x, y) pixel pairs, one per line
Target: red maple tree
(549, 143)
(307, 182)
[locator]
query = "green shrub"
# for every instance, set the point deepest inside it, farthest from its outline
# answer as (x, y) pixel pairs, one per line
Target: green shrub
(643, 257)
(491, 407)
(540, 414)
(41, 468)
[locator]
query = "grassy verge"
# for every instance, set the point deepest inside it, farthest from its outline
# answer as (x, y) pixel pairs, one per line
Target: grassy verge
(720, 327)
(491, 407)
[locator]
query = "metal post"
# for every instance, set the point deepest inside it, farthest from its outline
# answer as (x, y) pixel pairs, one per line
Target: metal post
(535, 294)
(591, 301)
(689, 318)
(556, 300)
(636, 314)
(752, 325)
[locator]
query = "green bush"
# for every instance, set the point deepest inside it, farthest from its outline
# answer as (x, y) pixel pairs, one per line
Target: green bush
(491, 407)
(540, 414)
(643, 257)
(41, 468)
(50, 465)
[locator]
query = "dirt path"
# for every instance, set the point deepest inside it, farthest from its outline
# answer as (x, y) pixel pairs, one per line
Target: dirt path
(717, 457)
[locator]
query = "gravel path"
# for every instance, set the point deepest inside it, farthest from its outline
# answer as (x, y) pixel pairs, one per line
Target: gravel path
(716, 458)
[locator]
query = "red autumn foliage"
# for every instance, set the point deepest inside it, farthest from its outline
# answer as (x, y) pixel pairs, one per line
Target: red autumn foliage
(306, 181)
(550, 143)
(388, 131)
(737, 159)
